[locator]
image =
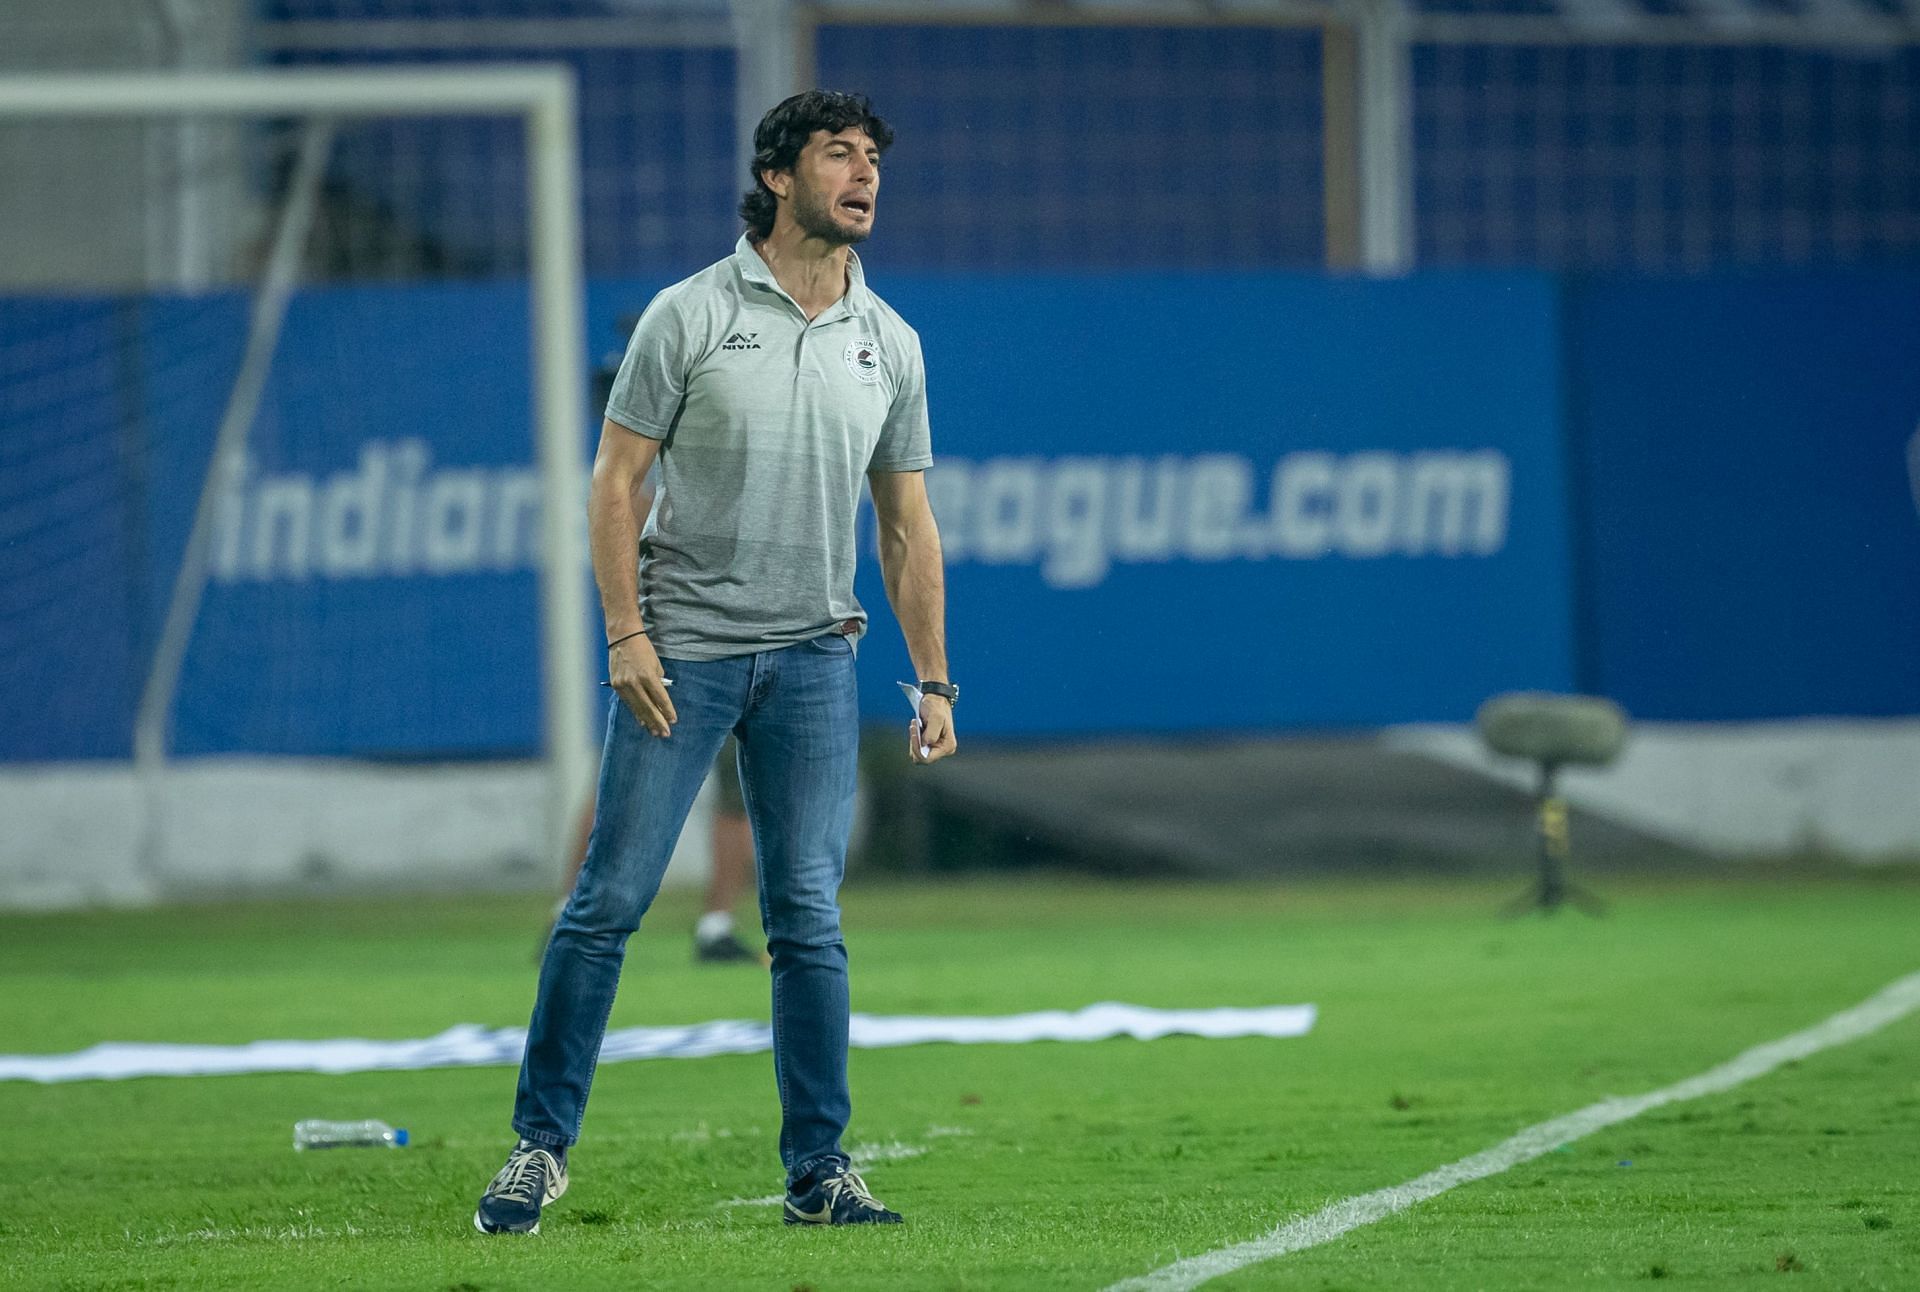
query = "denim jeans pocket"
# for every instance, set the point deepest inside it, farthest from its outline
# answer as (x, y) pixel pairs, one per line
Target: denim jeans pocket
(833, 643)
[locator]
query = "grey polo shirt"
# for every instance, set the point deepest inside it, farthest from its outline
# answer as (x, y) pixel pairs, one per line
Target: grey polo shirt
(769, 425)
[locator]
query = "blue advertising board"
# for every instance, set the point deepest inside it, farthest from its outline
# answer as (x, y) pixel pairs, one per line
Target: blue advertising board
(371, 586)
(1240, 503)
(1750, 455)
(68, 667)
(1169, 504)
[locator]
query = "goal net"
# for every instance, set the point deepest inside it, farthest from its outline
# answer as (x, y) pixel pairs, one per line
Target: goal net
(291, 485)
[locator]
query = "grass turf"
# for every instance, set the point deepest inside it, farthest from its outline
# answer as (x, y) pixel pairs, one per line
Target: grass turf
(1443, 1030)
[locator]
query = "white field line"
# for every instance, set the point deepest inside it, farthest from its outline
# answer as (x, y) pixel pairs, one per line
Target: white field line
(1891, 1003)
(232, 1233)
(864, 1155)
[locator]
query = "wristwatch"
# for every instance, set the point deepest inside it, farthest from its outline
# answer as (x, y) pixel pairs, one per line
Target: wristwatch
(945, 690)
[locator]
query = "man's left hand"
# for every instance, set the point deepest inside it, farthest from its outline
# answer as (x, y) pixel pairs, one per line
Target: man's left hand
(932, 731)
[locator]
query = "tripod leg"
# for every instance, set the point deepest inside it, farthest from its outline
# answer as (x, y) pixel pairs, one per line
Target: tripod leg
(1524, 904)
(1585, 899)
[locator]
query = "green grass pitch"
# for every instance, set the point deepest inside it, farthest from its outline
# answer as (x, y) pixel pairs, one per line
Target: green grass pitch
(1443, 1030)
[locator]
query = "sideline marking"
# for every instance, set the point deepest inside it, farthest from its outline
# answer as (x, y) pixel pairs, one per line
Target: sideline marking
(1890, 1004)
(210, 1233)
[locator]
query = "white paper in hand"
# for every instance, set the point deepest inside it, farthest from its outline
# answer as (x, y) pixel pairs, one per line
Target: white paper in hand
(913, 700)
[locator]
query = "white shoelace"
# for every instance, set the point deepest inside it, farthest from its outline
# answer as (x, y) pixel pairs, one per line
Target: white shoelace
(523, 1175)
(850, 1184)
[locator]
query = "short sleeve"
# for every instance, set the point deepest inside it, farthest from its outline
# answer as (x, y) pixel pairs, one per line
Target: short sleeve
(906, 443)
(652, 381)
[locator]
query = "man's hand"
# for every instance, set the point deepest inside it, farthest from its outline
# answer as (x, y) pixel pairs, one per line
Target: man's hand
(933, 730)
(634, 671)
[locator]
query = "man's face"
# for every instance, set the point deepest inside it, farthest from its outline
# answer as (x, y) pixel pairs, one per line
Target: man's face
(834, 183)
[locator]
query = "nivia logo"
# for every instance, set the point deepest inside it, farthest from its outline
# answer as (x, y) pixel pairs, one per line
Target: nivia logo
(741, 341)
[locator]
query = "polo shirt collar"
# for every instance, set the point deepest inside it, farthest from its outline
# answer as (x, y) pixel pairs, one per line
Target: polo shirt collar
(756, 270)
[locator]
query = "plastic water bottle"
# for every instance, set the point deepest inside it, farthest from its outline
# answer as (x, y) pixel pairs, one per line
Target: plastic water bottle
(367, 1134)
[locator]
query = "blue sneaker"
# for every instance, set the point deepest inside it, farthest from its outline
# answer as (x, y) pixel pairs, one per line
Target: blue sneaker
(838, 1196)
(533, 1176)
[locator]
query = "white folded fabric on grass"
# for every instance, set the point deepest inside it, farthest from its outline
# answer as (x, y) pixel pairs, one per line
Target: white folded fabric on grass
(470, 1045)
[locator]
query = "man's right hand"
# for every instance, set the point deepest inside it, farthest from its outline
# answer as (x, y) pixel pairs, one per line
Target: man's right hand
(635, 672)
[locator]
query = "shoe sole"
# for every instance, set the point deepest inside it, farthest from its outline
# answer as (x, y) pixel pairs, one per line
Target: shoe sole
(552, 1196)
(481, 1225)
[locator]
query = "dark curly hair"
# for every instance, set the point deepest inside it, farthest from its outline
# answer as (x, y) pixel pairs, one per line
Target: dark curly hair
(784, 131)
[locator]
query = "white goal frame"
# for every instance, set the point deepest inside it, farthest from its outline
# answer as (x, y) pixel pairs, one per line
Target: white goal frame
(543, 97)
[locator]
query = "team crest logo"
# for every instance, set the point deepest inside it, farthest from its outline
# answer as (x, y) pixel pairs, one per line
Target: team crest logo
(863, 361)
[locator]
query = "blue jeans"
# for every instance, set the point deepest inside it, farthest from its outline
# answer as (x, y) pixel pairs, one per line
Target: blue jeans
(796, 714)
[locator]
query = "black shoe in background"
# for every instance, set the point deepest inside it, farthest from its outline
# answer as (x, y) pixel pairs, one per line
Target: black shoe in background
(725, 949)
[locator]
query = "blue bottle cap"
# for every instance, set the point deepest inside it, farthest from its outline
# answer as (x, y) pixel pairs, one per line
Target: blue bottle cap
(400, 1138)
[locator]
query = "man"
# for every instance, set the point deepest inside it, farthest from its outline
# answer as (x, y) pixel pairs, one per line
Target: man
(766, 386)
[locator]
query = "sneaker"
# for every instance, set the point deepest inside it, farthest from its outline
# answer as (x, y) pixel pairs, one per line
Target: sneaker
(534, 1175)
(838, 1197)
(722, 949)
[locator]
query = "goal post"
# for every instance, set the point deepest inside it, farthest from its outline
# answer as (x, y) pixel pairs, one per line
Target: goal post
(543, 98)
